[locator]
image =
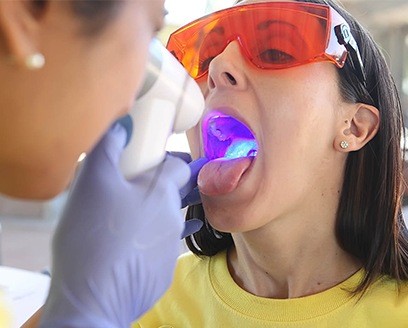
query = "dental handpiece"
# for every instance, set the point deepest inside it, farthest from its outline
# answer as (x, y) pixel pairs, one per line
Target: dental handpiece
(170, 101)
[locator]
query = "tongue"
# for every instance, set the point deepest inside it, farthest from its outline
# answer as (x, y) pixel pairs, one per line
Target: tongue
(221, 176)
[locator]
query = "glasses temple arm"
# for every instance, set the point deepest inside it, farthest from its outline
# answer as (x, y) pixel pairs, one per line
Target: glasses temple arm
(345, 38)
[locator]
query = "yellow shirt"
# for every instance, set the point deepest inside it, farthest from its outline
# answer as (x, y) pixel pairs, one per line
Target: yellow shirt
(5, 313)
(203, 294)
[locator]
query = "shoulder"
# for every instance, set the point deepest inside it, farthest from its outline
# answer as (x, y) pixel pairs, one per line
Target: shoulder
(191, 259)
(389, 288)
(195, 274)
(189, 264)
(186, 297)
(387, 300)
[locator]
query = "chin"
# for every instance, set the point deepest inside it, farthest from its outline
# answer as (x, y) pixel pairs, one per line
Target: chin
(36, 190)
(226, 218)
(35, 184)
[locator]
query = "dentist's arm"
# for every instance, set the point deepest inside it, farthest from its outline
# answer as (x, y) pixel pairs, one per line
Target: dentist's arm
(116, 245)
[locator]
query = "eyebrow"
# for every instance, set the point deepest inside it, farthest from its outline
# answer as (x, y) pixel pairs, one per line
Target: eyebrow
(217, 30)
(264, 25)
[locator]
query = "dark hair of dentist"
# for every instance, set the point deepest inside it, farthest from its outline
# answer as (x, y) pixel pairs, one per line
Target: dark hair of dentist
(68, 71)
(287, 247)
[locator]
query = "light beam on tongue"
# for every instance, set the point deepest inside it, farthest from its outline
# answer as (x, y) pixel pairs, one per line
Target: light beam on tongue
(221, 176)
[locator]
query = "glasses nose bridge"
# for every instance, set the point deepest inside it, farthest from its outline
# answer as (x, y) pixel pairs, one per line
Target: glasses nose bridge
(226, 69)
(238, 40)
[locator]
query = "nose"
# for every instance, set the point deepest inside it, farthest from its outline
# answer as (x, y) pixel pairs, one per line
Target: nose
(227, 69)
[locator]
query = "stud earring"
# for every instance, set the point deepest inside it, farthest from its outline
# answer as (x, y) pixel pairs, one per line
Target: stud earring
(34, 61)
(344, 144)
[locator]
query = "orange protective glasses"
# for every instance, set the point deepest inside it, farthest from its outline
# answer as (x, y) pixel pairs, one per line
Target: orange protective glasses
(272, 35)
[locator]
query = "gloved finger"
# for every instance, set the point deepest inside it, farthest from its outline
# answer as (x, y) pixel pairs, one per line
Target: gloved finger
(186, 157)
(192, 198)
(127, 123)
(195, 167)
(191, 226)
(179, 170)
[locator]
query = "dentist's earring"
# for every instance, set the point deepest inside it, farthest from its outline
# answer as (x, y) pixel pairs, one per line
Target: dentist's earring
(34, 61)
(344, 144)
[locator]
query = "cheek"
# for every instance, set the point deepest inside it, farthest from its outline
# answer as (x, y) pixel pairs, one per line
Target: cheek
(131, 59)
(193, 137)
(202, 83)
(194, 134)
(107, 82)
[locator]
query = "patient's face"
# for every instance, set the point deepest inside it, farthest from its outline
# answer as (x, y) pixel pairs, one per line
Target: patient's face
(293, 115)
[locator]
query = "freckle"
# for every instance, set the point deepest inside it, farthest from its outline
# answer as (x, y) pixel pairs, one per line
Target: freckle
(346, 121)
(319, 283)
(322, 194)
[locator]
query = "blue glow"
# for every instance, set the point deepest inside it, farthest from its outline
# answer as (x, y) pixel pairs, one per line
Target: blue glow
(241, 148)
(226, 137)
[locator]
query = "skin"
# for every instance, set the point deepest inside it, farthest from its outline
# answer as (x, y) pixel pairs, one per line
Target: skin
(283, 212)
(50, 116)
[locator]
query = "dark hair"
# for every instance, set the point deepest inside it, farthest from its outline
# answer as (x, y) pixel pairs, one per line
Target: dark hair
(93, 14)
(369, 223)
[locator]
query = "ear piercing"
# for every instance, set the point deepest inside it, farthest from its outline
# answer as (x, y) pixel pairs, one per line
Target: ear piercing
(34, 61)
(344, 144)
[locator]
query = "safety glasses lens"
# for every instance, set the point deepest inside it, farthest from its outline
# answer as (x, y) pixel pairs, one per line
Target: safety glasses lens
(271, 36)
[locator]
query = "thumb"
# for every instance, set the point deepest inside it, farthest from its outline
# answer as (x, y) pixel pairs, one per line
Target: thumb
(127, 123)
(195, 167)
(191, 226)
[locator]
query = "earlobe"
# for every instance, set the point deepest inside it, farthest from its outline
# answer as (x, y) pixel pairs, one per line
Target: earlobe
(19, 31)
(360, 129)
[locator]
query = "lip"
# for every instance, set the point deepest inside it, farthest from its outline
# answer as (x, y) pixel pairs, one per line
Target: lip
(230, 112)
(234, 139)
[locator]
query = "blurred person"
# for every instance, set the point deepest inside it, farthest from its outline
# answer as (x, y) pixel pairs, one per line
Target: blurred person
(68, 71)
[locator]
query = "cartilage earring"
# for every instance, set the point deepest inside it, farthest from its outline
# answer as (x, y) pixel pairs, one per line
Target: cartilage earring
(34, 61)
(344, 144)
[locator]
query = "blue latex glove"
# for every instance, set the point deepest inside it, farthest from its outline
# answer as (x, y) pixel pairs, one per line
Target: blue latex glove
(116, 245)
(189, 193)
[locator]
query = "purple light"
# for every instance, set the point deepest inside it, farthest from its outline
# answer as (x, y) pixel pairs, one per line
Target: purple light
(226, 137)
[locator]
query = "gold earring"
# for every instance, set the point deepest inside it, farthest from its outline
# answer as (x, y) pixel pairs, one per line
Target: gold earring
(344, 144)
(34, 61)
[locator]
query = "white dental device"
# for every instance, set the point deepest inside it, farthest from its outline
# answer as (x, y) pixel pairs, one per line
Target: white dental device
(170, 101)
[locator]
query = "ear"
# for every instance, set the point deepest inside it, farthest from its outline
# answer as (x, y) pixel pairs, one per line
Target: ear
(359, 129)
(19, 29)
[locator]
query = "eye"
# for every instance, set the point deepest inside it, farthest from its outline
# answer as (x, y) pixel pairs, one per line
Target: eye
(276, 56)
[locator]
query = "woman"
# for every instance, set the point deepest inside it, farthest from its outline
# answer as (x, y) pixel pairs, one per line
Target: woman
(68, 70)
(303, 229)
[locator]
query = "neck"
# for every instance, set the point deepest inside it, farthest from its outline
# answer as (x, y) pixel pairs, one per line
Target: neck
(290, 258)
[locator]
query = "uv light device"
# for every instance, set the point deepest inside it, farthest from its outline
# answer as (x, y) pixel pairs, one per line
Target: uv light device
(170, 101)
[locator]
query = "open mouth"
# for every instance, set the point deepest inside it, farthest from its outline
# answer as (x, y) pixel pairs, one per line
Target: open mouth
(226, 137)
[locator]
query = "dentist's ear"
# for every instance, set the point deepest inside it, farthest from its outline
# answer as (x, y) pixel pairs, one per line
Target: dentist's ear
(19, 31)
(359, 129)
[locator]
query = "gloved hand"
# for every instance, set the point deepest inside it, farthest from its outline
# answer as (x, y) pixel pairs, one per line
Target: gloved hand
(116, 245)
(189, 193)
